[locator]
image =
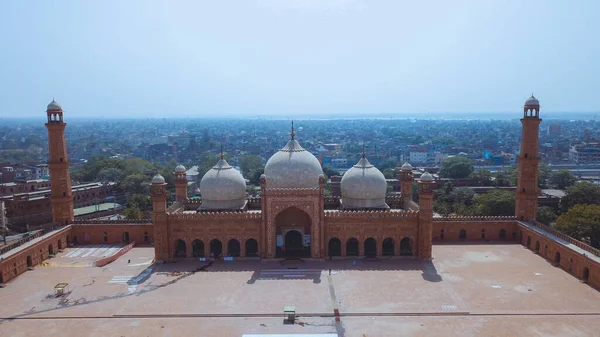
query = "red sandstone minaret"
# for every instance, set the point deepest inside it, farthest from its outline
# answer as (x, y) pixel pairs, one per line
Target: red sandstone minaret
(180, 183)
(159, 218)
(406, 181)
(61, 195)
(527, 183)
(425, 215)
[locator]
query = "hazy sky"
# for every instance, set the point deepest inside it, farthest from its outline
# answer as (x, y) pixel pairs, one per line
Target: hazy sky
(309, 57)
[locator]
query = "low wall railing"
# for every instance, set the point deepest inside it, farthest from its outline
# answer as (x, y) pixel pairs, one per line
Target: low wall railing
(26, 238)
(567, 238)
(109, 259)
(475, 218)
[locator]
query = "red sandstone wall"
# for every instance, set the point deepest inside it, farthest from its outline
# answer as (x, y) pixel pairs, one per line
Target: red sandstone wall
(16, 264)
(109, 259)
(570, 261)
(473, 229)
(94, 233)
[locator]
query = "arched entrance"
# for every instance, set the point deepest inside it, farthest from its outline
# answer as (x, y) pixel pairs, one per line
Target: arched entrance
(293, 231)
(557, 258)
(537, 247)
(352, 247)
(528, 241)
(251, 247)
(50, 250)
(502, 234)
(216, 248)
(462, 234)
(60, 247)
(198, 248)
(586, 274)
(334, 248)
(126, 237)
(387, 248)
(29, 262)
(370, 247)
(233, 247)
(405, 247)
(180, 248)
(293, 244)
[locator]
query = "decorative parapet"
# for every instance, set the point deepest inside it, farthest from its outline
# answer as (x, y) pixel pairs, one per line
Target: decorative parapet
(375, 214)
(286, 191)
(193, 202)
(475, 218)
(254, 200)
(113, 222)
(567, 238)
(228, 215)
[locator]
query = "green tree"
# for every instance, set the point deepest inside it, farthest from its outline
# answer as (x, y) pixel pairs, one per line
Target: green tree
(495, 203)
(389, 173)
(132, 213)
(544, 172)
(142, 201)
(250, 163)
(482, 177)
(255, 176)
(582, 193)
(581, 222)
(330, 172)
(135, 184)
(456, 167)
(507, 177)
(562, 179)
(111, 174)
(545, 215)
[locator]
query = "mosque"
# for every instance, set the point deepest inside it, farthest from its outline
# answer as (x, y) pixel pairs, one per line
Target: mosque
(293, 218)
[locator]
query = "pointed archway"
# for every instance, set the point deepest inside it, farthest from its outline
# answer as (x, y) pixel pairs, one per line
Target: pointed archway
(233, 248)
(198, 248)
(293, 233)
(180, 248)
(387, 247)
(251, 248)
(334, 248)
(405, 247)
(216, 248)
(370, 247)
(352, 247)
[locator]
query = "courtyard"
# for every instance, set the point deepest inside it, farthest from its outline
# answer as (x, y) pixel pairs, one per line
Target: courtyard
(467, 290)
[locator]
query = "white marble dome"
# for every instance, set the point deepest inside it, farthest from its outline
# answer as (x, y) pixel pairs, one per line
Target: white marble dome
(532, 101)
(293, 167)
(406, 167)
(180, 169)
(426, 177)
(158, 179)
(54, 106)
(363, 186)
(223, 187)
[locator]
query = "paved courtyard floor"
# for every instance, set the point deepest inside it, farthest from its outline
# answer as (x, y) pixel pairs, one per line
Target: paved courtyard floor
(468, 290)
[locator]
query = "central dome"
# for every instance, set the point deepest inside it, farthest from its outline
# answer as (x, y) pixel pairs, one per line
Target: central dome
(363, 186)
(293, 167)
(223, 187)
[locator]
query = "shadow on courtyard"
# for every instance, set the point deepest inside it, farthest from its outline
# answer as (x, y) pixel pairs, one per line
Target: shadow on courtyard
(298, 269)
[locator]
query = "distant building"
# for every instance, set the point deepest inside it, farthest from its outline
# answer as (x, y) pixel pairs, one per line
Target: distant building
(585, 153)
(418, 157)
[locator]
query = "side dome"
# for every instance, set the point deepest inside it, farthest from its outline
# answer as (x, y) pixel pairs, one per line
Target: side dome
(406, 167)
(180, 169)
(54, 106)
(427, 177)
(363, 186)
(158, 179)
(532, 101)
(293, 167)
(223, 187)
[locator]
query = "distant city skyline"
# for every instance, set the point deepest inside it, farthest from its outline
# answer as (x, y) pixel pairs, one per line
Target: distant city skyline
(299, 59)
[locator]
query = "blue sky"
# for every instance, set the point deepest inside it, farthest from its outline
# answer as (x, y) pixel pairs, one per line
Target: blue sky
(311, 57)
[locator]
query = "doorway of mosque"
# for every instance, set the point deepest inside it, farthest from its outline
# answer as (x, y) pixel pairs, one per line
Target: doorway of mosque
(293, 236)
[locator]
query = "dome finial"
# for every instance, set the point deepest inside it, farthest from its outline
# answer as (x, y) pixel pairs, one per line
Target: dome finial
(221, 156)
(292, 134)
(363, 153)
